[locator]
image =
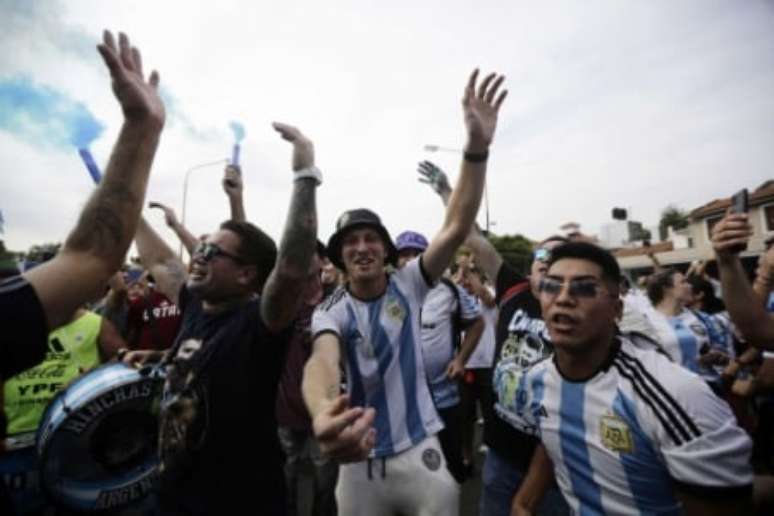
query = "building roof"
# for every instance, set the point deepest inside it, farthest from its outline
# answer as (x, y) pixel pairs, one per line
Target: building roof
(762, 194)
(660, 247)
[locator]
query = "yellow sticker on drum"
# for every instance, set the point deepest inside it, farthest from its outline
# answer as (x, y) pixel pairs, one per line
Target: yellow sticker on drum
(615, 434)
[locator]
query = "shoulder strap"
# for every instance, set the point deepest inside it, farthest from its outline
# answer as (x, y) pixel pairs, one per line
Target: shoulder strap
(457, 317)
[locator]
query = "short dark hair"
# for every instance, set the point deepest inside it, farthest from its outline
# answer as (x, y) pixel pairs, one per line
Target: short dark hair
(585, 251)
(710, 302)
(255, 248)
(658, 283)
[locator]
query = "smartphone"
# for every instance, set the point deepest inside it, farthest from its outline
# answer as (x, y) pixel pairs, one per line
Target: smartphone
(740, 204)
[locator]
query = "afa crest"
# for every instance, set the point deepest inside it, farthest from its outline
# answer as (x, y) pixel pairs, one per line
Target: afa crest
(615, 434)
(394, 309)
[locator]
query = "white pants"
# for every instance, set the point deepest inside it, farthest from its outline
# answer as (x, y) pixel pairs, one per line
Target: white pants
(413, 483)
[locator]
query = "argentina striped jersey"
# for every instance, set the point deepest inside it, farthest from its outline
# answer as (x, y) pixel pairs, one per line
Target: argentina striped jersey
(623, 440)
(381, 350)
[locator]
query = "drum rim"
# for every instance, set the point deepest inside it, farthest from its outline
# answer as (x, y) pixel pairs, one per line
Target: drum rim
(50, 421)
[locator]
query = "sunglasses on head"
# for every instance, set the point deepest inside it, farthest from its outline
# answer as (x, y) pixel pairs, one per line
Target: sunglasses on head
(542, 254)
(579, 287)
(207, 252)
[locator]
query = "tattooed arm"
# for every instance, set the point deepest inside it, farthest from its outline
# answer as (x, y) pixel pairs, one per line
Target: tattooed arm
(97, 245)
(281, 296)
(161, 261)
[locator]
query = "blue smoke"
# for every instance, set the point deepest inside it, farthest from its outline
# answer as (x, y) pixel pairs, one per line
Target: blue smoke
(239, 131)
(41, 114)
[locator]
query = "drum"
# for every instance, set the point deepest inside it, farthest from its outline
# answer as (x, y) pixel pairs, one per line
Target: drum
(97, 441)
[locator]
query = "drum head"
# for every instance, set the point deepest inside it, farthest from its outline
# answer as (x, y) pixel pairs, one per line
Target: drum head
(97, 442)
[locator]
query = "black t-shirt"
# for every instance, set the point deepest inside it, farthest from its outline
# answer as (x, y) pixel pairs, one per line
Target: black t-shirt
(23, 327)
(218, 434)
(521, 332)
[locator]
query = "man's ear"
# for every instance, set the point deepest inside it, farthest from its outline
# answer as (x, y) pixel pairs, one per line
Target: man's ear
(247, 275)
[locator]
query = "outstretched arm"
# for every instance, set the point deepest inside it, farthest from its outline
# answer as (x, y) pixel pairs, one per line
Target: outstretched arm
(186, 237)
(746, 310)
(481, 106)
(95, 248)
(486, 255)
(282, 293)
(233, 186)
(343, 433)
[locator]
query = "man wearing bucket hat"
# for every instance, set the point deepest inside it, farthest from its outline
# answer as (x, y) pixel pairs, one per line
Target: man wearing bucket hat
(447, 312)
(372, 324)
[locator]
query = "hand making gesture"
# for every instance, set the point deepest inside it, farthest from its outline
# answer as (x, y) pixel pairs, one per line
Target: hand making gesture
(480, 107)
(303, 149)
(139, 99)
(432, 175)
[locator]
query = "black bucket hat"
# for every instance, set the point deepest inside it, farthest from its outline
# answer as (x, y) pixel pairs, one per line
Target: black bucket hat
(354, 219)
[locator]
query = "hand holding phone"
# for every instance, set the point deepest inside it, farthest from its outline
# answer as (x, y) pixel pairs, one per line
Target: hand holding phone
(740, 204)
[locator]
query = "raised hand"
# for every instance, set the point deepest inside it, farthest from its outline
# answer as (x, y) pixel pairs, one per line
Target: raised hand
(480, 107)
(730, 235)
(303, 149)
(140, 100)
(169, 214)
(432, 175)
(345, 434)
(232, 181)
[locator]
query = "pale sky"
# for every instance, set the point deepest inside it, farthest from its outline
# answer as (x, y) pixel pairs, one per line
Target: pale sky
(637, 104)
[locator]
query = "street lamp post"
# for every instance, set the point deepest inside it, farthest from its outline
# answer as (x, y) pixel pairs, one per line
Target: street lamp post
(185, 188)
(438, 148)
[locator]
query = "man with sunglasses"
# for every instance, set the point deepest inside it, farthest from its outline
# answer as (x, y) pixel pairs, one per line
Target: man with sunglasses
(627, 430)
(218, 432)
(520, 336)
(373, 326)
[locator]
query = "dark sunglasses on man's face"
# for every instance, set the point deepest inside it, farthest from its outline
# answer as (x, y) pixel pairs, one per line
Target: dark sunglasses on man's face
(579, 287)
(207, 252)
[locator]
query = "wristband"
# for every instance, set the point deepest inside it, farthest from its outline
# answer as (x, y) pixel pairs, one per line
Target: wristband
(309, 172)
(473, 157)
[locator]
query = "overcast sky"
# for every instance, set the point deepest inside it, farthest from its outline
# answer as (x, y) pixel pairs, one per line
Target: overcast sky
(637, 104)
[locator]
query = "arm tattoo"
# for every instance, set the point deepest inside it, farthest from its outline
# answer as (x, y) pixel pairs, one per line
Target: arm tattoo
(283, 290)
(332, 391)
(101, 229)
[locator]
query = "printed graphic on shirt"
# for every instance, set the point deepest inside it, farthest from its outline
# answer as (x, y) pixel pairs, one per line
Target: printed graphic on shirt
(184, 411)
(527, 341)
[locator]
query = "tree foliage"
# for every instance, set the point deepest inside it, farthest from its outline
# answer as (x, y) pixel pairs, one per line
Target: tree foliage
(516, 250)
(42, 252)
(674, 217)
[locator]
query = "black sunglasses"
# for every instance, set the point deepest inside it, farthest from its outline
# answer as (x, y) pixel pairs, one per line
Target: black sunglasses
(207, 252)
(579, 288)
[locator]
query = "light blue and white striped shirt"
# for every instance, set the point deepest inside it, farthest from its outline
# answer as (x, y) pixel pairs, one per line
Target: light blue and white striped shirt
(622, 440)
(381, 349)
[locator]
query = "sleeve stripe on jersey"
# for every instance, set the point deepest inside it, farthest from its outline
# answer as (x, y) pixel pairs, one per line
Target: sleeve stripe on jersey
(671, 431)
(655, 395)
(11, 284)
(669, 398)
(334, 298)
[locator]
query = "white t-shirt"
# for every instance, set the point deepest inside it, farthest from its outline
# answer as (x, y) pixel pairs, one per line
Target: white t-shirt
(623, 439)
(440, 335)
(483, 356)
(381, 349)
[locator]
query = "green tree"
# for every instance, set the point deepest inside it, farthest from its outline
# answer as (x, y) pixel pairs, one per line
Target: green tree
(671, 216)
(516, 251)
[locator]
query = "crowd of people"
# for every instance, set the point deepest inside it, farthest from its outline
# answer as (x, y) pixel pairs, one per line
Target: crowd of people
(346, 377)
